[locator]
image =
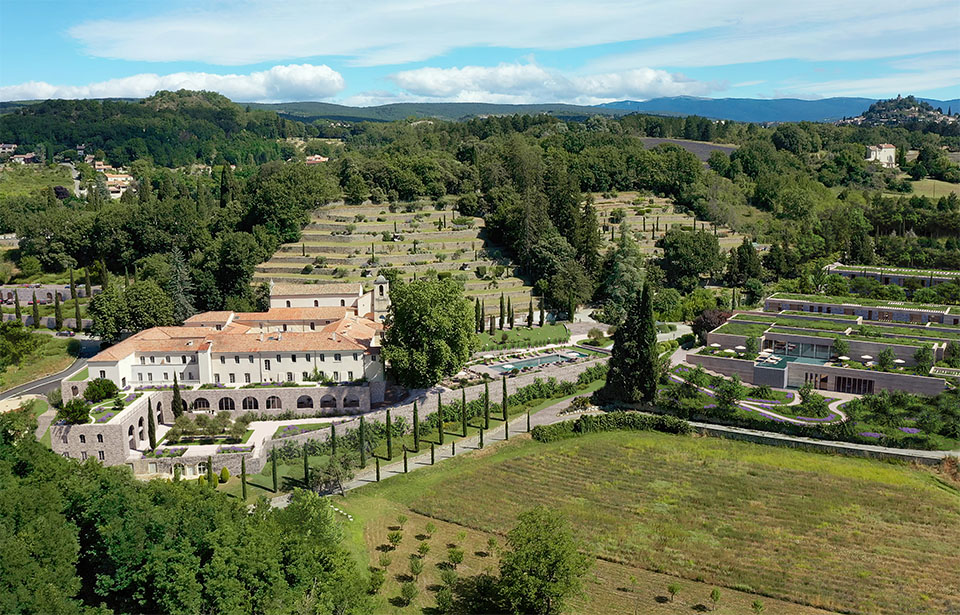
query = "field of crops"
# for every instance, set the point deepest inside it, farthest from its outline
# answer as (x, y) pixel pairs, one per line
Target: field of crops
(835, 533)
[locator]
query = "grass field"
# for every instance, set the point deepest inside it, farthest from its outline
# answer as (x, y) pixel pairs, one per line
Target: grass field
(524, 337)
(933, 188)
(50, 358)
(25, 180)
(793, 529)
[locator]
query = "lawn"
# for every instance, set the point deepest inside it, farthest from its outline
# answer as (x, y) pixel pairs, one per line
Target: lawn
(49, 358)
(933, 188)
(522, 337)
(842, 534)
(25, 180)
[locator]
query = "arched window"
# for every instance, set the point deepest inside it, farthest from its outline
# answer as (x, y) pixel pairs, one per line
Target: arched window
(250, 403)
(316, 303)
(226, 403)
(201, 403)
(328, 401)
(49, 297)
(140, 423)
(274, 403)
(343, 303)
(351, 402)
(288, 304)
(74, 390)
(381, 290)
(304, 401)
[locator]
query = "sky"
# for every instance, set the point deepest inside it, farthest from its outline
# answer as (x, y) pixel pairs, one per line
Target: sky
(368, 52)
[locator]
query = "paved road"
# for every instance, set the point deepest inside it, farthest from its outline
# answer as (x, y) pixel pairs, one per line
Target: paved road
(45, 384)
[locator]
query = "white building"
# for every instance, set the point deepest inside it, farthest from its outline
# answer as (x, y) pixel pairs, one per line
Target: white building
(885, 154)
(372, 304)
(7, 149)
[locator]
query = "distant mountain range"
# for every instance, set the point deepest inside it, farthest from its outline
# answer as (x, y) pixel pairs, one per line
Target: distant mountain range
(761, 110)
(737, 109)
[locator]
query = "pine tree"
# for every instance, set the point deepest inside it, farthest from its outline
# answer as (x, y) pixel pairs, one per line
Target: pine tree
(177, 400)
(87, 286)
(36, 311)
(634, 364)
(243, 477)
(151, 426)
(273, 468)
(180, 287)
(389, 436)
(416, 428)
(57, 312)
(530, 314)
(503, 311)
(463, 412)
(477, 316)
(16, 305)
(486, 405)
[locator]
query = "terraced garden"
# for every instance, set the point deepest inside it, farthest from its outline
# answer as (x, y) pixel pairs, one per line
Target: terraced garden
(784, 526)
(351, 243)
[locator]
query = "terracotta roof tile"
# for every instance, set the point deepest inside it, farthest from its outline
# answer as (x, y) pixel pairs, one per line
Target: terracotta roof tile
(334, 288)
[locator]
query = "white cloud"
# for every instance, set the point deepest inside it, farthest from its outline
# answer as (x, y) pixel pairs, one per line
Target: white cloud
(279, 83)
(393, 32)
(526, 83)
(886, 85)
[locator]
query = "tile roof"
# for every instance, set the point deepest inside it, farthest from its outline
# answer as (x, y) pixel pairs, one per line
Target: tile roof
(335, 288)
(283, 342)
(295, 314)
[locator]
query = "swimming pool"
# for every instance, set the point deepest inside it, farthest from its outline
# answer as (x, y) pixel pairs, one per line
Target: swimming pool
(541, 360)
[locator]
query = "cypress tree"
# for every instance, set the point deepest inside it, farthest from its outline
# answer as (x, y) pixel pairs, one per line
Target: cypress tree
(572, 308)
(634, 362)
(486, 405)
(477, 316)
(57, 312)
(453, 448)
(505, 401)
(16, 305)
(481, 436)
(493, 325)
(87, 286)
(151, 426)
(432, 457)
(211, 480)
(503, 311)
(177, 400)
(273, 463)
(333, 439)
(463, 412)
(243, 477)
(506, 430)
(528, 419)
(543, 315)
(363, 439)
(76, 315)
(36, 311)
(530, 315)
(389, 436)
(439, 416)
(416, 428)
(377, 461)
(73, 286)
(481, 319)
(404, 460)
(509, 313)
(306, 466)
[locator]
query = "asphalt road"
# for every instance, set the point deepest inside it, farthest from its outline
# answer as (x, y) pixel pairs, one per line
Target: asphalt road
(43, 385)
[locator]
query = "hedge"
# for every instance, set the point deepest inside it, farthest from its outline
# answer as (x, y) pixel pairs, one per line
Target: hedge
(611, 421)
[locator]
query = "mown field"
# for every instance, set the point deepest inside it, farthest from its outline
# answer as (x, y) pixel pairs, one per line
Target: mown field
(799, 531)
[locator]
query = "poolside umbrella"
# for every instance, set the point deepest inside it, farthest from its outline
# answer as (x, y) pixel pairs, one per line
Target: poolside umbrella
(900, 361)
(844, 358)
(488, 356)
(507, 366)
(866, 356)
(714, 345)
(741, 347)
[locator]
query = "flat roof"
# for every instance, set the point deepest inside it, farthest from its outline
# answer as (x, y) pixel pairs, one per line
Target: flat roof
(862, 302)
(924, 273)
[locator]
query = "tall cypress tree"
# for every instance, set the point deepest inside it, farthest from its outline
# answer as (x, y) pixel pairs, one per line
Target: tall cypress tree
(503, 311)
(151, 426)
(87, 286)
(389, 436)
(363, 440)
(16, 305)
(243, 477)
(73, 286)
(177, 400)
(530, 314)
(486, 405)
(482, 321)
(634, 364)
(211, 480)
(36, 311)
(463, 412)
(543, 314)
(57, 312)
(477, 316)
(76, 316)
(505, 401)
(273, 468)
(306, 466)
(509, 313)
(416, 428)
(333, 439)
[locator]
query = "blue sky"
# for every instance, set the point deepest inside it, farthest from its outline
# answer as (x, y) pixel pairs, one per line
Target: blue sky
(366, 52)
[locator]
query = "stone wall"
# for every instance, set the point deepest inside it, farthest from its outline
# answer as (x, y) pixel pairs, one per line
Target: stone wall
(882, 381)
(288, 396)
(231, 461)
(726, 340)
(725, 366)
(124, 433)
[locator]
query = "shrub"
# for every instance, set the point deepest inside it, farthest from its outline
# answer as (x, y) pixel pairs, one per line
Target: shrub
(408, 591)
(224, 474)
(611, 421)
(100, 389)
(377, 577)
(307, 269)
(449, 577)
(74, 412)
(74, 347)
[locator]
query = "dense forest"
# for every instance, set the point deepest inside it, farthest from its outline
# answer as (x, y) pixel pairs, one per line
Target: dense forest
(802, 190)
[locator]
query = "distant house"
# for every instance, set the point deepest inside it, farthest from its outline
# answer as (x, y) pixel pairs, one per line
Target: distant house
(24, 158)
(7, 149)
(884, 153)
(316, 159)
